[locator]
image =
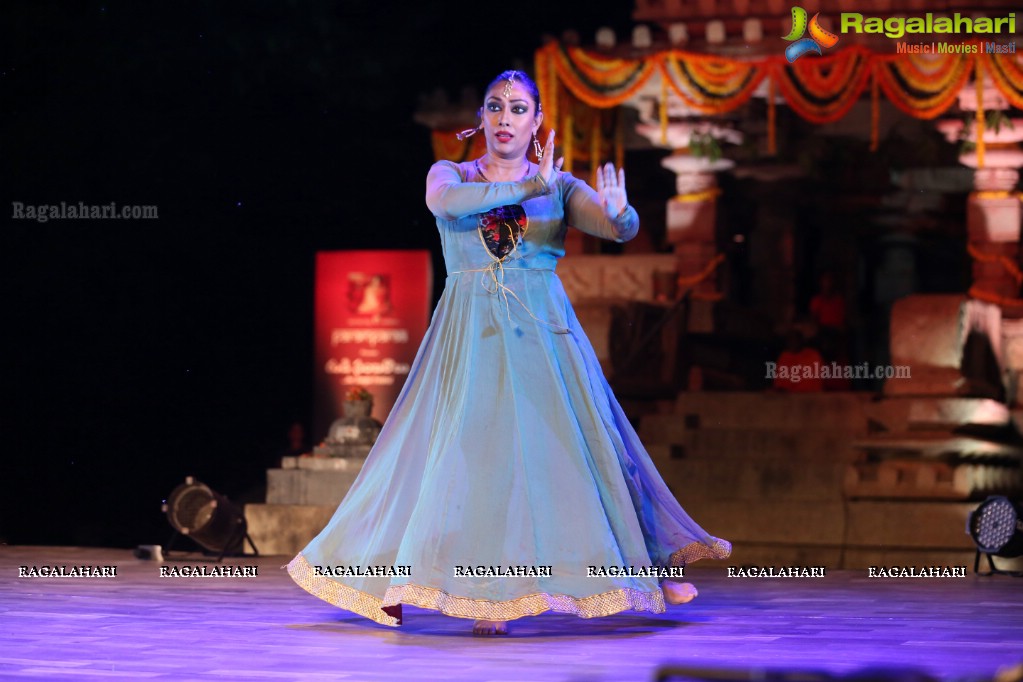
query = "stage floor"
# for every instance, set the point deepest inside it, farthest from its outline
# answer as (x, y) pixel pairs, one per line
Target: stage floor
(139, 626)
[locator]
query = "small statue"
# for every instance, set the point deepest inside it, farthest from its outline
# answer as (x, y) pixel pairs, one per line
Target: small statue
(353, 434)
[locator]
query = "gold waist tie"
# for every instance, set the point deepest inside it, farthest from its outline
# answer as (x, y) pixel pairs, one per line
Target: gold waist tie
(494, 284)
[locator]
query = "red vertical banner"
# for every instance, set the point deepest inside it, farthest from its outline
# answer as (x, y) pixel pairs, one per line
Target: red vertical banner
(372, 311)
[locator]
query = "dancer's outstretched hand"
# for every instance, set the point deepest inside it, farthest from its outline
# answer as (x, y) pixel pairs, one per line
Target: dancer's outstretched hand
(611, 188)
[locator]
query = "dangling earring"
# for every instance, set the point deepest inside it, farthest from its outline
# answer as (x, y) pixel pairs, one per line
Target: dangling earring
(537, 149)
(468, 132)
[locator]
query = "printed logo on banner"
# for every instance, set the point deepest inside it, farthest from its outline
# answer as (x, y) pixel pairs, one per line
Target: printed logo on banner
(819, 36)
(369, 294)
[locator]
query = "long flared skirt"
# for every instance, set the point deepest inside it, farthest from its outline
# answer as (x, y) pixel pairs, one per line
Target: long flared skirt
(506, 481)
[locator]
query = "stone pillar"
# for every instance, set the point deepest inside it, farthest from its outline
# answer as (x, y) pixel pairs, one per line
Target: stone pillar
(692, 213)
(692, 216)
(993, 211)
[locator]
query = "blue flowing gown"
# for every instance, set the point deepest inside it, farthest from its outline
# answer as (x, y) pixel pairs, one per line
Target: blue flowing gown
(506, 446)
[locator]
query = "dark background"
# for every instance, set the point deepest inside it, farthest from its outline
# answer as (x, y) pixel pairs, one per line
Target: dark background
(147, 350)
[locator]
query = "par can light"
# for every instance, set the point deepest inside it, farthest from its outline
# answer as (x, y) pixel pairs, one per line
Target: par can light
(996, 527)
(195, 510)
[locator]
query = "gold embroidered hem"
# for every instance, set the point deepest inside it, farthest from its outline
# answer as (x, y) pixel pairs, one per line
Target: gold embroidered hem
(335, 593)
(694, 551)
(368, 606)
(594, 606)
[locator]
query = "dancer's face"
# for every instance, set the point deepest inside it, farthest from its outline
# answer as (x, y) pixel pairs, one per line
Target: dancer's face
(509, 120)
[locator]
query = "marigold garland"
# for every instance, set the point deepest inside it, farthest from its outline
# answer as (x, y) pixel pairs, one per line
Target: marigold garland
(710, 85)
(690, 281)
(919, 92)
(1002, 260)
(612, 83)
(996, 194)
(1006, 72)
(816, 97)
(705, 195)
(820, 89)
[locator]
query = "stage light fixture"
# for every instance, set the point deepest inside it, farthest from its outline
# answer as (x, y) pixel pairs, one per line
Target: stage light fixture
(209, 518)
(996, 527)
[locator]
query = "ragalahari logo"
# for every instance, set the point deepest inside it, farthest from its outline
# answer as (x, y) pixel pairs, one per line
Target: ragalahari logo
(819, 36)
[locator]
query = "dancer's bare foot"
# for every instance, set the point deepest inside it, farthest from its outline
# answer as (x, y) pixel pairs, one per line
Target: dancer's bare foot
(393, 611)
(678, 593)
(486, 628)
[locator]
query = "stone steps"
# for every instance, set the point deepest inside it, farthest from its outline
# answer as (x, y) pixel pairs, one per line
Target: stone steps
(932, 444)
(787, 522)
(843, 411)
(952, 412)
(866, 525)
(771, 479)
(842, 480)
(928, 456)
(922, 413)
(930, 479)
(899, 525)
(668, 433)
(741, 410)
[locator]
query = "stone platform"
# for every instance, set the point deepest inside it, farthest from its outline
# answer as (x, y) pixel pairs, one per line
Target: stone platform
(771, 472)
(301, 496)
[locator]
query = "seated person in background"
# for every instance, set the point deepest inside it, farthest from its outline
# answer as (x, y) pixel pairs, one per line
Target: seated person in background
(798, 367)
(828, 305)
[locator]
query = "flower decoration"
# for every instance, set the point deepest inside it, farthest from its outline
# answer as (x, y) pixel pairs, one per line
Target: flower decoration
(356, 394)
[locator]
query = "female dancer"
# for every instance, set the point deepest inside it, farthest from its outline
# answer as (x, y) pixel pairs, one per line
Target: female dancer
(507, 480)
